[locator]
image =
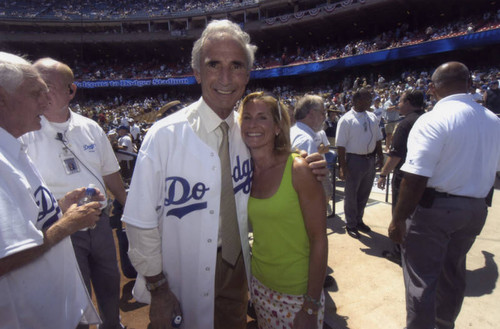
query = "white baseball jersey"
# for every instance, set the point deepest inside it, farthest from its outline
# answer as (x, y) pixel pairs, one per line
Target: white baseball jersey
(176, 187)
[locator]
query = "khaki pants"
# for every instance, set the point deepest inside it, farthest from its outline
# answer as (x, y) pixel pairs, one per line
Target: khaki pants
(231, 294)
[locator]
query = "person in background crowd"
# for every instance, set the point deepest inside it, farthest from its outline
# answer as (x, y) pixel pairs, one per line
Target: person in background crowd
(126, 161)
(391, 118)
(72, 151)
(330, 124)
(135, 130)
(287, 213)
(337, 101)
(359, 147)
(40, 284)
(410, 106)
(380, 81)
(441, 204)
(309, 116)
(476, 96)
(306, 134)
(492, 97)
(378, 110)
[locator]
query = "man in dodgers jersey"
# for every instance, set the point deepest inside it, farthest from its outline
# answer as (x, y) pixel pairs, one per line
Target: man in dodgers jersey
(173, 215)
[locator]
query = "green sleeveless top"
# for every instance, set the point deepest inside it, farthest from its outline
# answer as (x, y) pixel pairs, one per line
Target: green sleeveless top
(280, 252)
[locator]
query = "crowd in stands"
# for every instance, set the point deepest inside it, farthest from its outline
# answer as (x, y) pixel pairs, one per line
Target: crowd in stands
(116, 69)
(109, 9)
(399, 37)
(111, 113)
(116, 111)
(160, 8)
(111, 69)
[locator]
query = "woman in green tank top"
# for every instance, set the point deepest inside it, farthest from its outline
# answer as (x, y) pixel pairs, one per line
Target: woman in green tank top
(287, 210)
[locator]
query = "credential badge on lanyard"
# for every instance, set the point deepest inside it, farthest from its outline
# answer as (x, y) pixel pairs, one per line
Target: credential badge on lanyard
(69, 162)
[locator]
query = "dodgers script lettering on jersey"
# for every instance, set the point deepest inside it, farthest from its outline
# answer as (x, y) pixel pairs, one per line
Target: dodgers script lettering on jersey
(48, 207)
(242, 172)
(90, 147)
(181, 193)
(175, 184)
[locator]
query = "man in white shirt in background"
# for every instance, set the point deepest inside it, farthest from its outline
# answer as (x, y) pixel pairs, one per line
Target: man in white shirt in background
(307, 134)
(359, 148)
(453, 155)
(309, 117)
(126, 161)
(70, 151)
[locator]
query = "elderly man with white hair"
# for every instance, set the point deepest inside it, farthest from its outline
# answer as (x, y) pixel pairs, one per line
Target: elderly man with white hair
(40, 283)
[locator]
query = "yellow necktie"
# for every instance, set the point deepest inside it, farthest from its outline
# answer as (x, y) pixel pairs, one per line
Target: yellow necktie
(231, 245)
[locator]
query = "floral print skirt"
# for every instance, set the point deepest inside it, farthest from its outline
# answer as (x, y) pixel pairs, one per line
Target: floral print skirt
(276, 310)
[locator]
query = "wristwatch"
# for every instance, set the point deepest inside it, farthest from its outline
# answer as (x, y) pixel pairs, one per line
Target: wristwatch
(152, 286)
(309, 311)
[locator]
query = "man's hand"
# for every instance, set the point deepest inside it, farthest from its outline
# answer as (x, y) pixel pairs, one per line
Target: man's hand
(74, 219)
(410, 192)
(164, 307)
(76, 195)
(397, 231)
(317, 164)
(79, 217)
(381, 182)
(343, 173)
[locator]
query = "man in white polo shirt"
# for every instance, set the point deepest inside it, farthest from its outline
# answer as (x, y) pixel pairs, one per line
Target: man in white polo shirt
(70, 151)
(359, 146)
(453, 155)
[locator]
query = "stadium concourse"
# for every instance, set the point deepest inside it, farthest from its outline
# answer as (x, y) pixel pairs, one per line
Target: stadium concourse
(369, 290)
